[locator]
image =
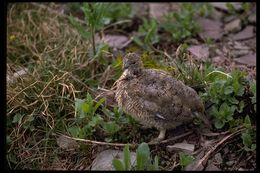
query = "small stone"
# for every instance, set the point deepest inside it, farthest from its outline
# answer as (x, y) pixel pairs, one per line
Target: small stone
(201, 52)
(114, 41)
(233, 26)
(218, 158)
(217, 15)
(140, 9)
(252, 18)
(237, 53)
(210, 29)
(66, 143)
(212, 167)
(249, 60)
(158, 10)
(230, 163)
(228, 19)
(103, 161)
(246, 33)
(223, 6)
(188, 148)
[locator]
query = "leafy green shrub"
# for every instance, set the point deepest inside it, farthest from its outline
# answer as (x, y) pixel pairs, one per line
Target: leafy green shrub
(182, 25)
(86, 119)
(224, 93)
(91, 116)
(147, 34)
(143, 160)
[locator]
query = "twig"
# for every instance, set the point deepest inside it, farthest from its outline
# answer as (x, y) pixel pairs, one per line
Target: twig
(95, 142)
(215, 147)
(172, 139)
(120, 144)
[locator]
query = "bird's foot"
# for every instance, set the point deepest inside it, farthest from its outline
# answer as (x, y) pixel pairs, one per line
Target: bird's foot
(159, 138)
(156, 140)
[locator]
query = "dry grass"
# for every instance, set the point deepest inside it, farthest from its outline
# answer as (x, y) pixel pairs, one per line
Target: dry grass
(59, 69)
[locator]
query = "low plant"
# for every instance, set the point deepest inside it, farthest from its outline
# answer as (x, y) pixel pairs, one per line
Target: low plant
(249, 135)
(94, 17)
(147, 34)
(143, 160)
(224, 92)
(86, 119)
(182, 25)
(185, 159)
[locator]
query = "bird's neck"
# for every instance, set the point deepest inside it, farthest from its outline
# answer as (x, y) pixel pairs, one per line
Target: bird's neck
(129, 74)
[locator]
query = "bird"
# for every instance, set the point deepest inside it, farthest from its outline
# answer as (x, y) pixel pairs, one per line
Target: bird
(155, 98)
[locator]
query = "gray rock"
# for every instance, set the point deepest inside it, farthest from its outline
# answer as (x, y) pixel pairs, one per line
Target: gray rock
(114, 41)
(210, 29)
(233, 26)
(252, 18)
(103, 161)
(249, 60)
(230, 163)
(66, 143)
(200, 52)
(140, 9)
(218, 158)
(223, 6)
(212, 167)
(246, 33)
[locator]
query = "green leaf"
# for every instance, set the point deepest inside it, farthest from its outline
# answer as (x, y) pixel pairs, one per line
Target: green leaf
(85, 107)
(127, 157)
(241, 106)
(233, 100)
(156, 163)
(111, 127)
(74, 131)
(247, 122)
(219, 124)
(247, 139)
(185, 159)
(118, 165)
(17, 118)
(79, 28)
(142, 156)
(95, 121)
(228, 90)
(8, 139)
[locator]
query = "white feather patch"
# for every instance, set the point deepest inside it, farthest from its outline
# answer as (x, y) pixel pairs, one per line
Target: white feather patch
(159, 116)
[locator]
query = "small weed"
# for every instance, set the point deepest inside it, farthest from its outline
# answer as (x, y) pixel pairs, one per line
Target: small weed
(225, 91)
(182, 25)
(185, 159)
(147, 34)
(94, 16)
(143, 160)
(249, 136)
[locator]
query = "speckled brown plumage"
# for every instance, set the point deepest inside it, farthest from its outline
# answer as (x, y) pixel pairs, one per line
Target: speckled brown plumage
(154, 97)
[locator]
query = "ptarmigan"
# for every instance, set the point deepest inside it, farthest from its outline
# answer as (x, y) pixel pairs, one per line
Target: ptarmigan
(154, 98)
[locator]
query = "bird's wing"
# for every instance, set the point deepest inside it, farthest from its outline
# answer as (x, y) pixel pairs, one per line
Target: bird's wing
(157, 96)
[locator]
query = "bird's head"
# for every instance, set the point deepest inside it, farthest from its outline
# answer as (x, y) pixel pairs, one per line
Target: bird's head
(132, 65)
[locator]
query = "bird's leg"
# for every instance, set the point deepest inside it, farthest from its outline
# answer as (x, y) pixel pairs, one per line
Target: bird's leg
(160, 137)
